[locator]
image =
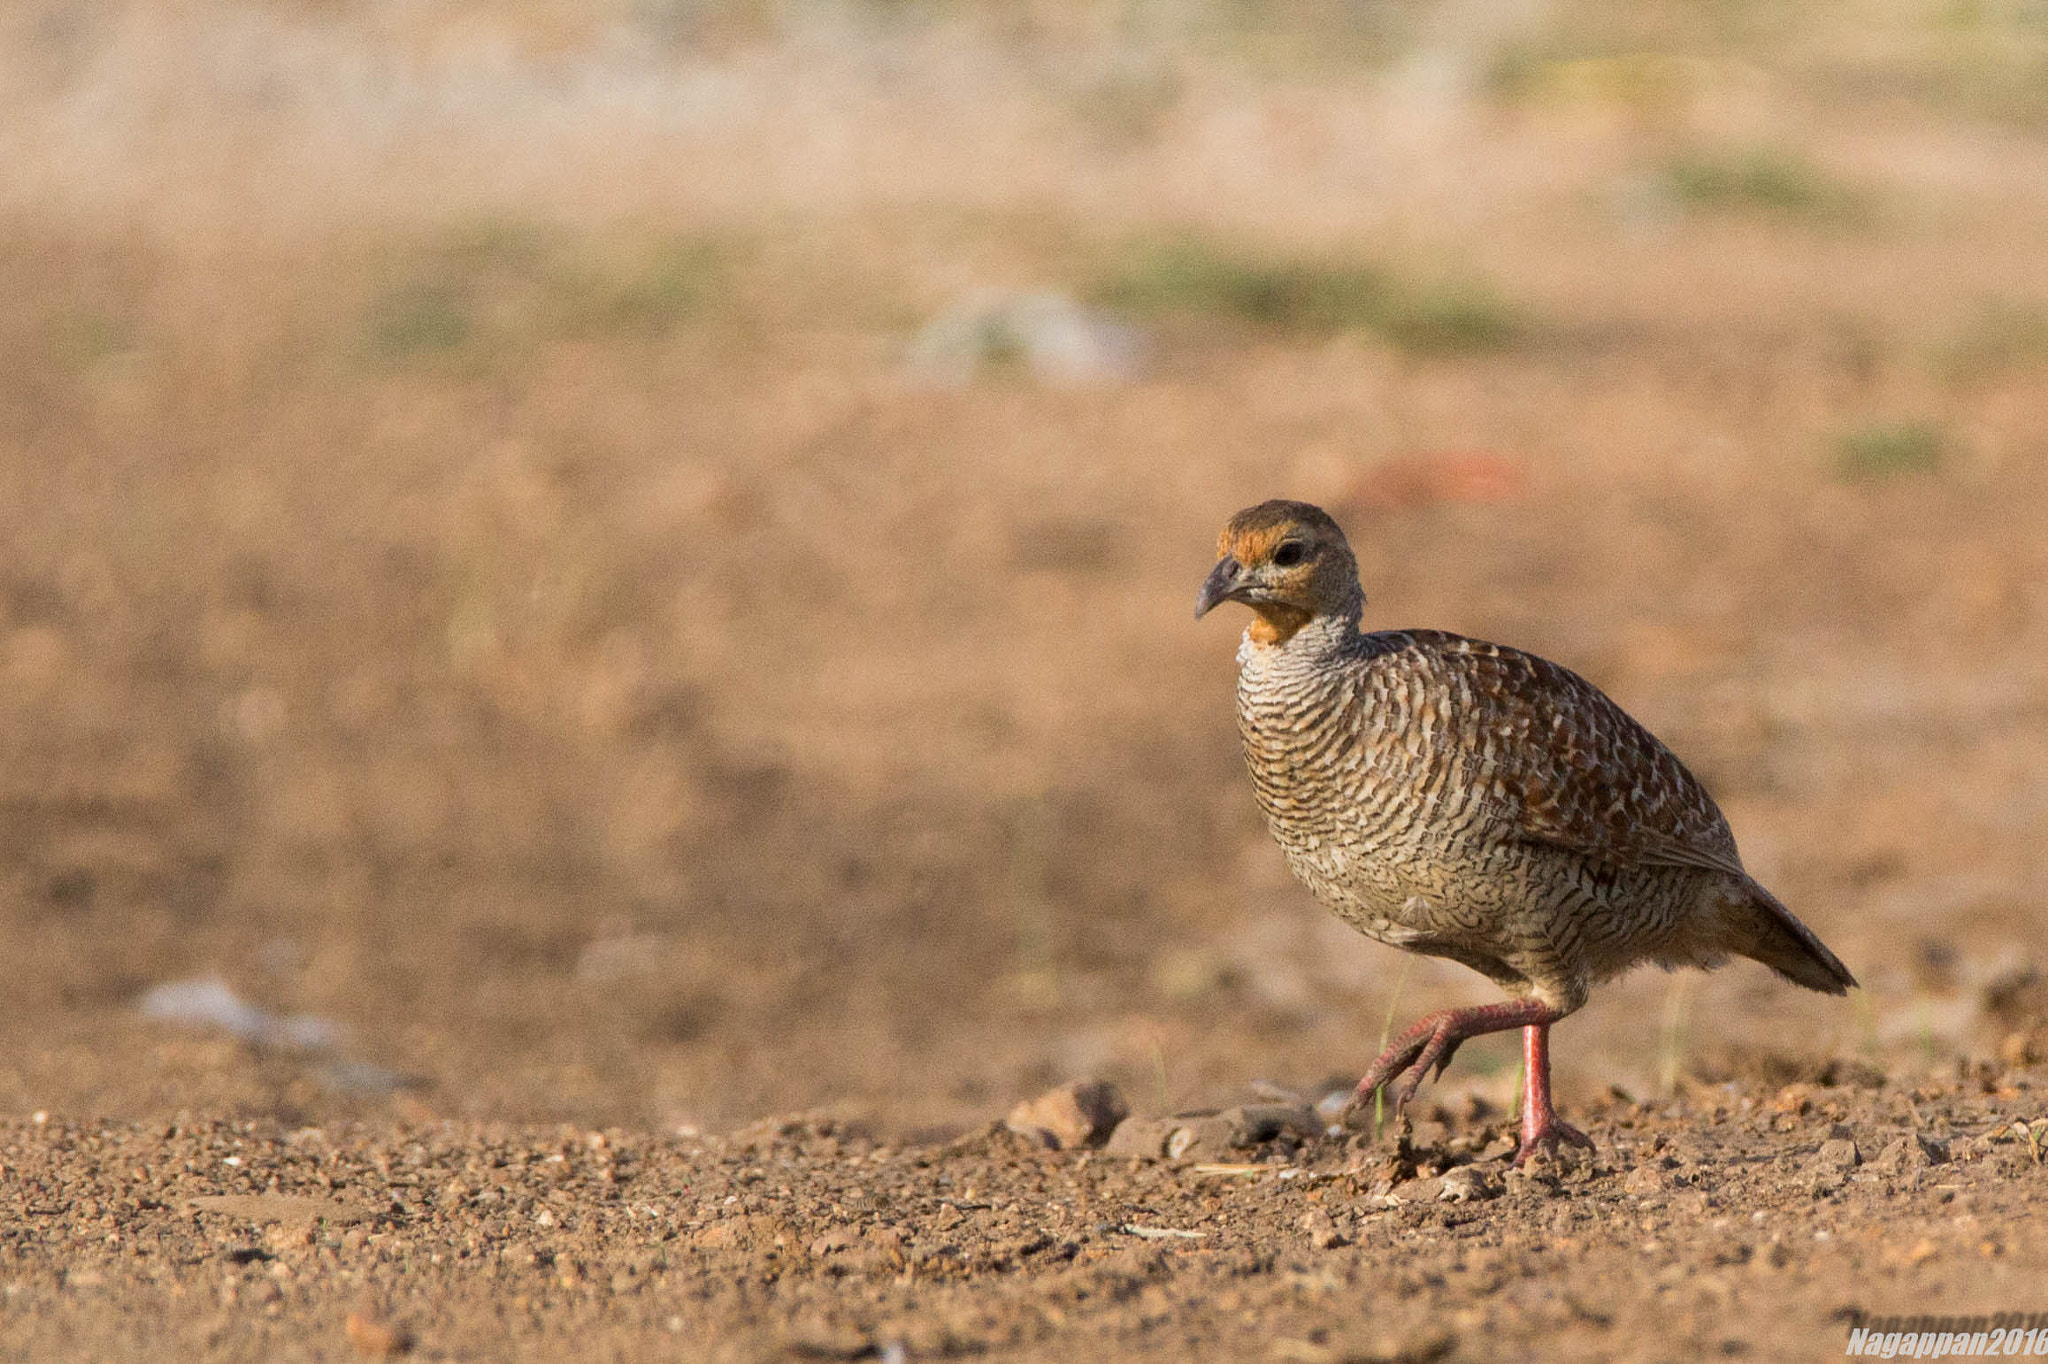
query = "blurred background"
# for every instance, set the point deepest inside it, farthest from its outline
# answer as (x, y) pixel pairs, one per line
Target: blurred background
(631, 561)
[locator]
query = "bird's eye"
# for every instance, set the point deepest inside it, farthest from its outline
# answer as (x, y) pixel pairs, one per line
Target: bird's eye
(1289, 554)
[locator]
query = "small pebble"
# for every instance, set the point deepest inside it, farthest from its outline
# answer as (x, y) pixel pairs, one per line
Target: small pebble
(1322, 1233)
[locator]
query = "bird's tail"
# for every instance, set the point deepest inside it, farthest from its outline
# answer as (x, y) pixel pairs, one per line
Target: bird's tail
(1777, 939)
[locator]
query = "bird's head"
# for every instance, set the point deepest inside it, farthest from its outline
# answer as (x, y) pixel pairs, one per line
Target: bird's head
(1290, 563)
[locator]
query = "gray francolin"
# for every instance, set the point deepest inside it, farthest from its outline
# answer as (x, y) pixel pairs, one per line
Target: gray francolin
(1470, 801)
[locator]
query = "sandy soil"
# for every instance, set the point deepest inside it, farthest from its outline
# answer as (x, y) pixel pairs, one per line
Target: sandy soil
(1732, 1222)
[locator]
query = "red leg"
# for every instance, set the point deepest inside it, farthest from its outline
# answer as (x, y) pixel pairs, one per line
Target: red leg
(1542, 1129)
(1434, 1040)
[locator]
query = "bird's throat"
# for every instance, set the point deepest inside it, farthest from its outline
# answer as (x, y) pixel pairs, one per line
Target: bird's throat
(1276, 622)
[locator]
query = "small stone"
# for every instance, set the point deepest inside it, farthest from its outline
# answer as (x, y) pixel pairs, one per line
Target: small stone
(1418, 1190)
(1213, 1136)
(1646, 1181)
(1257, 1123)
(1837, 1153)
(1322, 1233)
(1914, 1152)
(881, 1251)
(1465, 1183)
(290, 1239)
(1795, 1099)
(1144, 1138)
(1825, 1180)
(1076, 1115)
(1202, 1138)
(723, 1235)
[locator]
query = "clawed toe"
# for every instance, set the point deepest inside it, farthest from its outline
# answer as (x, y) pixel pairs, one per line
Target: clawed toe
(1398, 1079)
(1546, 1140)
(1413, 1078)
(1401, 1071)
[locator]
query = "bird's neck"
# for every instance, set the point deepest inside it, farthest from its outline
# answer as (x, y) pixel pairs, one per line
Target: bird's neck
(1298, 638)
(1276, 624)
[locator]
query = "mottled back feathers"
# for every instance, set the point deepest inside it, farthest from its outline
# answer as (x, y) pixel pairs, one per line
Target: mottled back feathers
(1575, 770)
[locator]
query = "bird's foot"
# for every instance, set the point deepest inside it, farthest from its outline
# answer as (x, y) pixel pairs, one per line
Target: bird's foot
(1548, 1134)
(1432, 1042)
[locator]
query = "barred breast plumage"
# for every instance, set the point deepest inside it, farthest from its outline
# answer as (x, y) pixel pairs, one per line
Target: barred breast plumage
(1475, 802)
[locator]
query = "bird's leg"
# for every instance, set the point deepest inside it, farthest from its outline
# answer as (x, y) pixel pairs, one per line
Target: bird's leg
(1542, 1129)
(1435, 1038)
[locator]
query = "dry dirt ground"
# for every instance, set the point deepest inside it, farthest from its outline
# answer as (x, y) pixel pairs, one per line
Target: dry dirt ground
(516, 668)
(1730, 1222)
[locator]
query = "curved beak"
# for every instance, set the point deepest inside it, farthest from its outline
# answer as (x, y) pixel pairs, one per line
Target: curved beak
(1220, 586)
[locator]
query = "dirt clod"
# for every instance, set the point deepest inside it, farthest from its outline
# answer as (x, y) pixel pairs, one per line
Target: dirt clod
(1209, 1137)
(1915, 1151)
(1646, 1181)
(1077, 1115)
(1320, 1230)
(1144, 1138)
(1463, 1183)
(1837, 1153)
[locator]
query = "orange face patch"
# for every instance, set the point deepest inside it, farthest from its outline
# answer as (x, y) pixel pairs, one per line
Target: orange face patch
(1254, 545)
(1254, 533)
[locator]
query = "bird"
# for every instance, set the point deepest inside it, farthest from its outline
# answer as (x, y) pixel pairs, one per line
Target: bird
(1471, 801)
